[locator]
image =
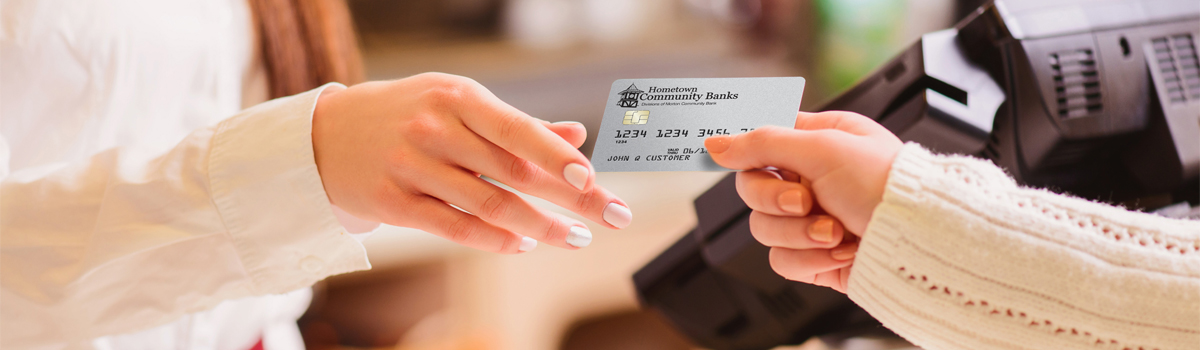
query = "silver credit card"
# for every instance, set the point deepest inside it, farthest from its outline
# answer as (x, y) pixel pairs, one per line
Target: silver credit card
(661, 124)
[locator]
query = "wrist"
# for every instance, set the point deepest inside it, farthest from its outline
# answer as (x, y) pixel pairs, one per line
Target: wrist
(322, 134)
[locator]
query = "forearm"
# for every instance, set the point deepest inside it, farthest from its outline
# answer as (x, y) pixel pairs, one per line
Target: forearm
(958, 256)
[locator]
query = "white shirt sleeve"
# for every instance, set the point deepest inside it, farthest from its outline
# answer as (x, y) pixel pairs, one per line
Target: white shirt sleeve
(957, 256)
(119, 243)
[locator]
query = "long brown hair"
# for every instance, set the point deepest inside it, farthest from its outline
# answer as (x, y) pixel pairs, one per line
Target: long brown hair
(306, 43)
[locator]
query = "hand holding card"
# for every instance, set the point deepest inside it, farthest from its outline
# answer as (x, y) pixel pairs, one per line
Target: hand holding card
(849, 171)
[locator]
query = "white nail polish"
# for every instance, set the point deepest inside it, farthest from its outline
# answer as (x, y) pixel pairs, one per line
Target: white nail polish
(579, 237)
(527, 244)
(576, 175)
(617, 215)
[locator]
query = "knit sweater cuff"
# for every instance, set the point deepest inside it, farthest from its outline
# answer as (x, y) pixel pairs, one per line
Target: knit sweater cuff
(957, 256)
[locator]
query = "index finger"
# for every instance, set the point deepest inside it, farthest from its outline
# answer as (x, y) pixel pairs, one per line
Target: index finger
(527, 138)
(766, 191)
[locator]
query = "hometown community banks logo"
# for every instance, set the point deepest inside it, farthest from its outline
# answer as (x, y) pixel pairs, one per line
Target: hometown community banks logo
(631, 97)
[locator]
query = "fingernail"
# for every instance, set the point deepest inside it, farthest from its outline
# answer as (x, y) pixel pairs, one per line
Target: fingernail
(718, 144)
(792, 201)
(844, 252)
(579, 237)
(527, 244)
(576, 175)
(821, 230)
(617, 215)
(567, 122)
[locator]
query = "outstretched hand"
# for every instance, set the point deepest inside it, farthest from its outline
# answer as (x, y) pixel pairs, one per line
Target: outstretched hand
(407, 152)
(844, 159)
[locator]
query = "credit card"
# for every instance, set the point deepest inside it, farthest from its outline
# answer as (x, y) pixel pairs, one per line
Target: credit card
(661, 124)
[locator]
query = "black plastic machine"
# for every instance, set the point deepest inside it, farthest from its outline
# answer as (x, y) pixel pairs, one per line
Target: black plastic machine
(1100, 99)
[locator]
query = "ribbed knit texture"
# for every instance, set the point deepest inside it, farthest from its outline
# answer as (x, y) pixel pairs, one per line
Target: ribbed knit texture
(957, 256)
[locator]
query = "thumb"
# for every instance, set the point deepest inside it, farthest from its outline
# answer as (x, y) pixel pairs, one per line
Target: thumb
(810, 153)
(850, 122)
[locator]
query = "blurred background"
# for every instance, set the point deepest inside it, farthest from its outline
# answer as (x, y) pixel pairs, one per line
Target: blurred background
(556, 59)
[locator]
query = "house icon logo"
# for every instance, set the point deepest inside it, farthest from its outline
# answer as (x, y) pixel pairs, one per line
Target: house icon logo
(629, 97)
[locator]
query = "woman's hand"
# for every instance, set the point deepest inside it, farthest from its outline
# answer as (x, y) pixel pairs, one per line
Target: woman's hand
(402, 152)
(846, 156)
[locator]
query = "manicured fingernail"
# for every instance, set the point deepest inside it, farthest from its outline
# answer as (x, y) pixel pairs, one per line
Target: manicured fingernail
(566, 122)
(579, 237)
(527, 244)
(577, 175)
(718, 144)
(617, 215)
(792, 201)
(821, 230)
(844, 252)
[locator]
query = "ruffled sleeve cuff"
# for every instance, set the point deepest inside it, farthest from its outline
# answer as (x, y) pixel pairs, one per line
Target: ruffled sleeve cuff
(269, 194)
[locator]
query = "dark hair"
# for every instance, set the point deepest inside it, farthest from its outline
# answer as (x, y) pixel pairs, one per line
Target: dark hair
(306, 43)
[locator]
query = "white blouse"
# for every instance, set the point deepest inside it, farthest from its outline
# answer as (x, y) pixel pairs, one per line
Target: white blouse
(139, 208)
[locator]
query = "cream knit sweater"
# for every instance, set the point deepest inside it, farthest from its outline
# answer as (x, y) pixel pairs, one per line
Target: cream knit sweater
(957, 256)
